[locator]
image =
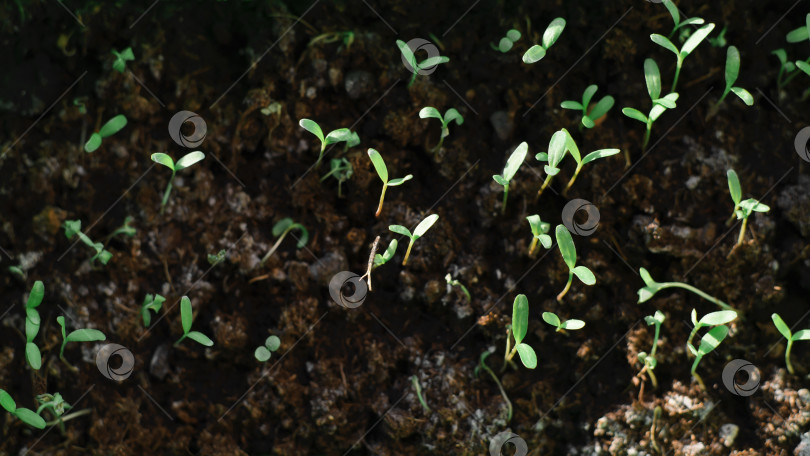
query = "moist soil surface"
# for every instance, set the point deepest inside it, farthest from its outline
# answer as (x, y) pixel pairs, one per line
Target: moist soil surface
(343, 381)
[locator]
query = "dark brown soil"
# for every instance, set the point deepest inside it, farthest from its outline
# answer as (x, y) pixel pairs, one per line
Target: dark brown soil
(341, 383)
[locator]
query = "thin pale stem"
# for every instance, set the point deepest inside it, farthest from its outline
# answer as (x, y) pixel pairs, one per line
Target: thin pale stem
(689, 339)
(69, 416)
(545, 184)
(407, 253)
(787, 356)
(500, 387)
(695, 374)
(567, 286)
(275, 246)
(694, 290)
(167, 192)
(573, 178)
(742, 231)
(505, 194)
(646, 137)
(180, 340)
(677, 73)
(532, 246)
(382, 198)
(320, 155)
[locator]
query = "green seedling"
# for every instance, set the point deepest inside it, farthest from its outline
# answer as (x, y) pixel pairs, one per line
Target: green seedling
(186, 317)
(506, 43)
(742, 209)
(550, 36)
(110, 128)
(572, 148)
(720, 40)
(385, 257)
(416, 67)
(509, 171)
(676, 18)
(482, 364)
(17, 271)
(273, 109)
(520, 325)
(590, 114)
(800, 34)
(569, 255)
(347, 37)
(183, 163)
(79, 102)
(420, 230)
(216, 258)
(732, 71)
(121, 59)
(652, 77)
(25, 415)
(263, 353)
(787, 69)
(783, 329)
(649, 360)
(450, 116)
(32, 325)
(57, 407)
(691, 43)
(556, 152)
(74, 228)
(382, 171)
(554, 320)
(151, 303)
(651, 287)
(721, 317)
(79, 335)
(418, 388)
(126, 229)
(342, 170)
(451, 282)
(540, 231)
(280, 229)
(708, 342)
(340, 135)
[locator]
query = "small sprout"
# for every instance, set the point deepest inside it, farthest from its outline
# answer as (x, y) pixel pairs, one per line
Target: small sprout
(25, 415)
(694, 40)
(556, 152)
(506, 43)
(569, 255)
(121, 59)
(449, 116)
(17, 271)
(572, 148)
(54, 402)
(509, 171)
(216, 258)
(708, 342)
(482, 364)
(74, 227)
(382, 171)
(451, 282)
(649, 360)
(186, 317)
(653, 78)
(342, 170)
(554, 320)
(720, 40)
(539, 233)
(520, 325)
(110, 128)
(340, 135)
(32, 324)
(590, 116)
(426, 64)
(281, 229)
(742, 209)
(783, 329)
(183, 163)
(720, 317)
(273, 108)
(420, 230)
(418, 388)
(151, 303)
(126, 229)
(676, 17)
(732, 71)
(263, 353)
(550, 36)
(79, 335)
(651, 287)
(800, 34)
(786, 68)
(79, 103)
(386, 256)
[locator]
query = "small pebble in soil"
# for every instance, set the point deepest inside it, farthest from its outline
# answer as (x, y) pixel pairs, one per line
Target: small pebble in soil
(803, 449)
(159, 365)
(728, 433)
(358, 83)
(502, 124)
